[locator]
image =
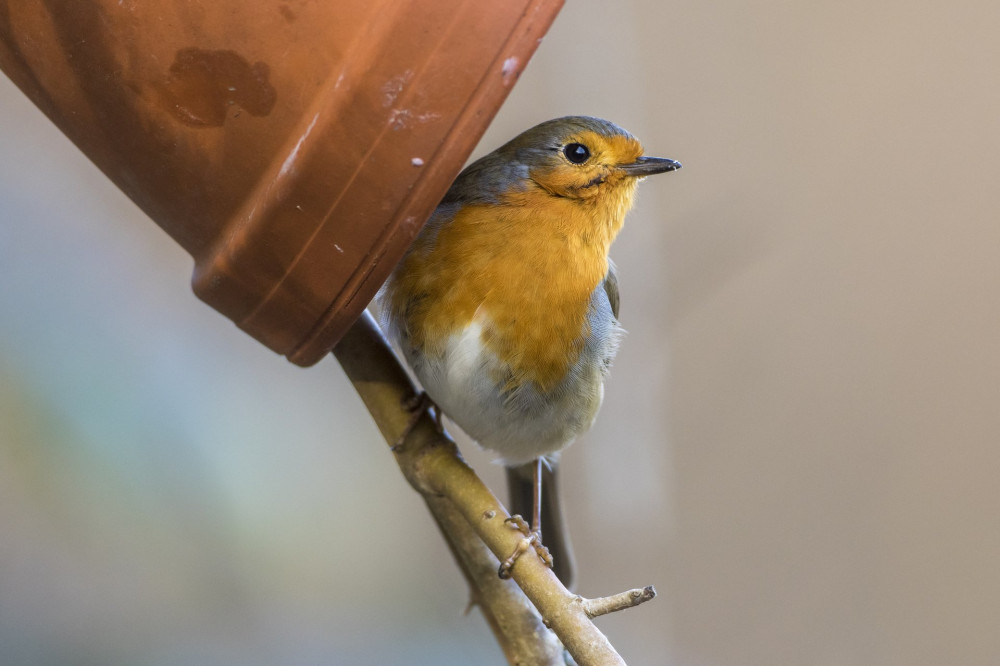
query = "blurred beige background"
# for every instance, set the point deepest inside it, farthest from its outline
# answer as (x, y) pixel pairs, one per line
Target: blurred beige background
(799, 444)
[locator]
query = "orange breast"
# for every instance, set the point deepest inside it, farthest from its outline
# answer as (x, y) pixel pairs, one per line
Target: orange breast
(525, 271)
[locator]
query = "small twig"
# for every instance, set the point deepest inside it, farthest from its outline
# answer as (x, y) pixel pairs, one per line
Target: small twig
(616, 602)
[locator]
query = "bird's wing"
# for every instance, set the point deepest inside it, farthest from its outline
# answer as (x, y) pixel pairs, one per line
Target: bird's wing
(611, 287)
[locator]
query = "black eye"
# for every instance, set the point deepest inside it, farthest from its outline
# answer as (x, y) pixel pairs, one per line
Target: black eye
(576, 153)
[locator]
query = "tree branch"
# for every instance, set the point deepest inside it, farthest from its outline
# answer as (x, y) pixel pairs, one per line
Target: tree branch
(470, 516)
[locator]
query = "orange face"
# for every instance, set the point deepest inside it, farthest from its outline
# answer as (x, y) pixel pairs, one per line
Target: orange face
(597, 173)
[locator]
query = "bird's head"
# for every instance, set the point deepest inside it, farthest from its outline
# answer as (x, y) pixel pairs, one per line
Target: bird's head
(580, 157)
(575, 176)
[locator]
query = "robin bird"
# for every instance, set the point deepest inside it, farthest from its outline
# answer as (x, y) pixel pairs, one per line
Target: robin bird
(506, 304)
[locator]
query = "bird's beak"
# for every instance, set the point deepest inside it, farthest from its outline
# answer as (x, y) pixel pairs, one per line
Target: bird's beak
(647, 166)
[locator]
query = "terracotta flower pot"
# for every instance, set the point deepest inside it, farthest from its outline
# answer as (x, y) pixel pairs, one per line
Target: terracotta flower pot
(294, 148)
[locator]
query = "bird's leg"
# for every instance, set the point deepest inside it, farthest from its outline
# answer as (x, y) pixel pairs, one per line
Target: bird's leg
(536, 501)
(532, 533)
(416, 405)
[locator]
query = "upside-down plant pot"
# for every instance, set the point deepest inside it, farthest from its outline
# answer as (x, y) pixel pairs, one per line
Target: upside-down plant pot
(293, 148)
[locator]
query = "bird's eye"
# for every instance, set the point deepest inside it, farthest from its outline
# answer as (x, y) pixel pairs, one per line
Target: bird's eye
(577, 153)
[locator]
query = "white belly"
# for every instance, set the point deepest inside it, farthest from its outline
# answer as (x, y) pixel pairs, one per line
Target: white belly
(518, 425)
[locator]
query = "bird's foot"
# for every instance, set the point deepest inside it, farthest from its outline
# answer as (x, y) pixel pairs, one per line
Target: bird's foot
(532, 538)
(416, 405)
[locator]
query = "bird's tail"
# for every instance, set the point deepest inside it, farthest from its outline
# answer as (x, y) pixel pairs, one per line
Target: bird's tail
(555, 535)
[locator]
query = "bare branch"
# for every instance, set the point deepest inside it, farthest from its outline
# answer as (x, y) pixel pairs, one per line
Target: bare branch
(430, 462)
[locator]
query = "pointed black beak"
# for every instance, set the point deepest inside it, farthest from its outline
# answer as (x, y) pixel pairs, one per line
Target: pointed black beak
(647, 166)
